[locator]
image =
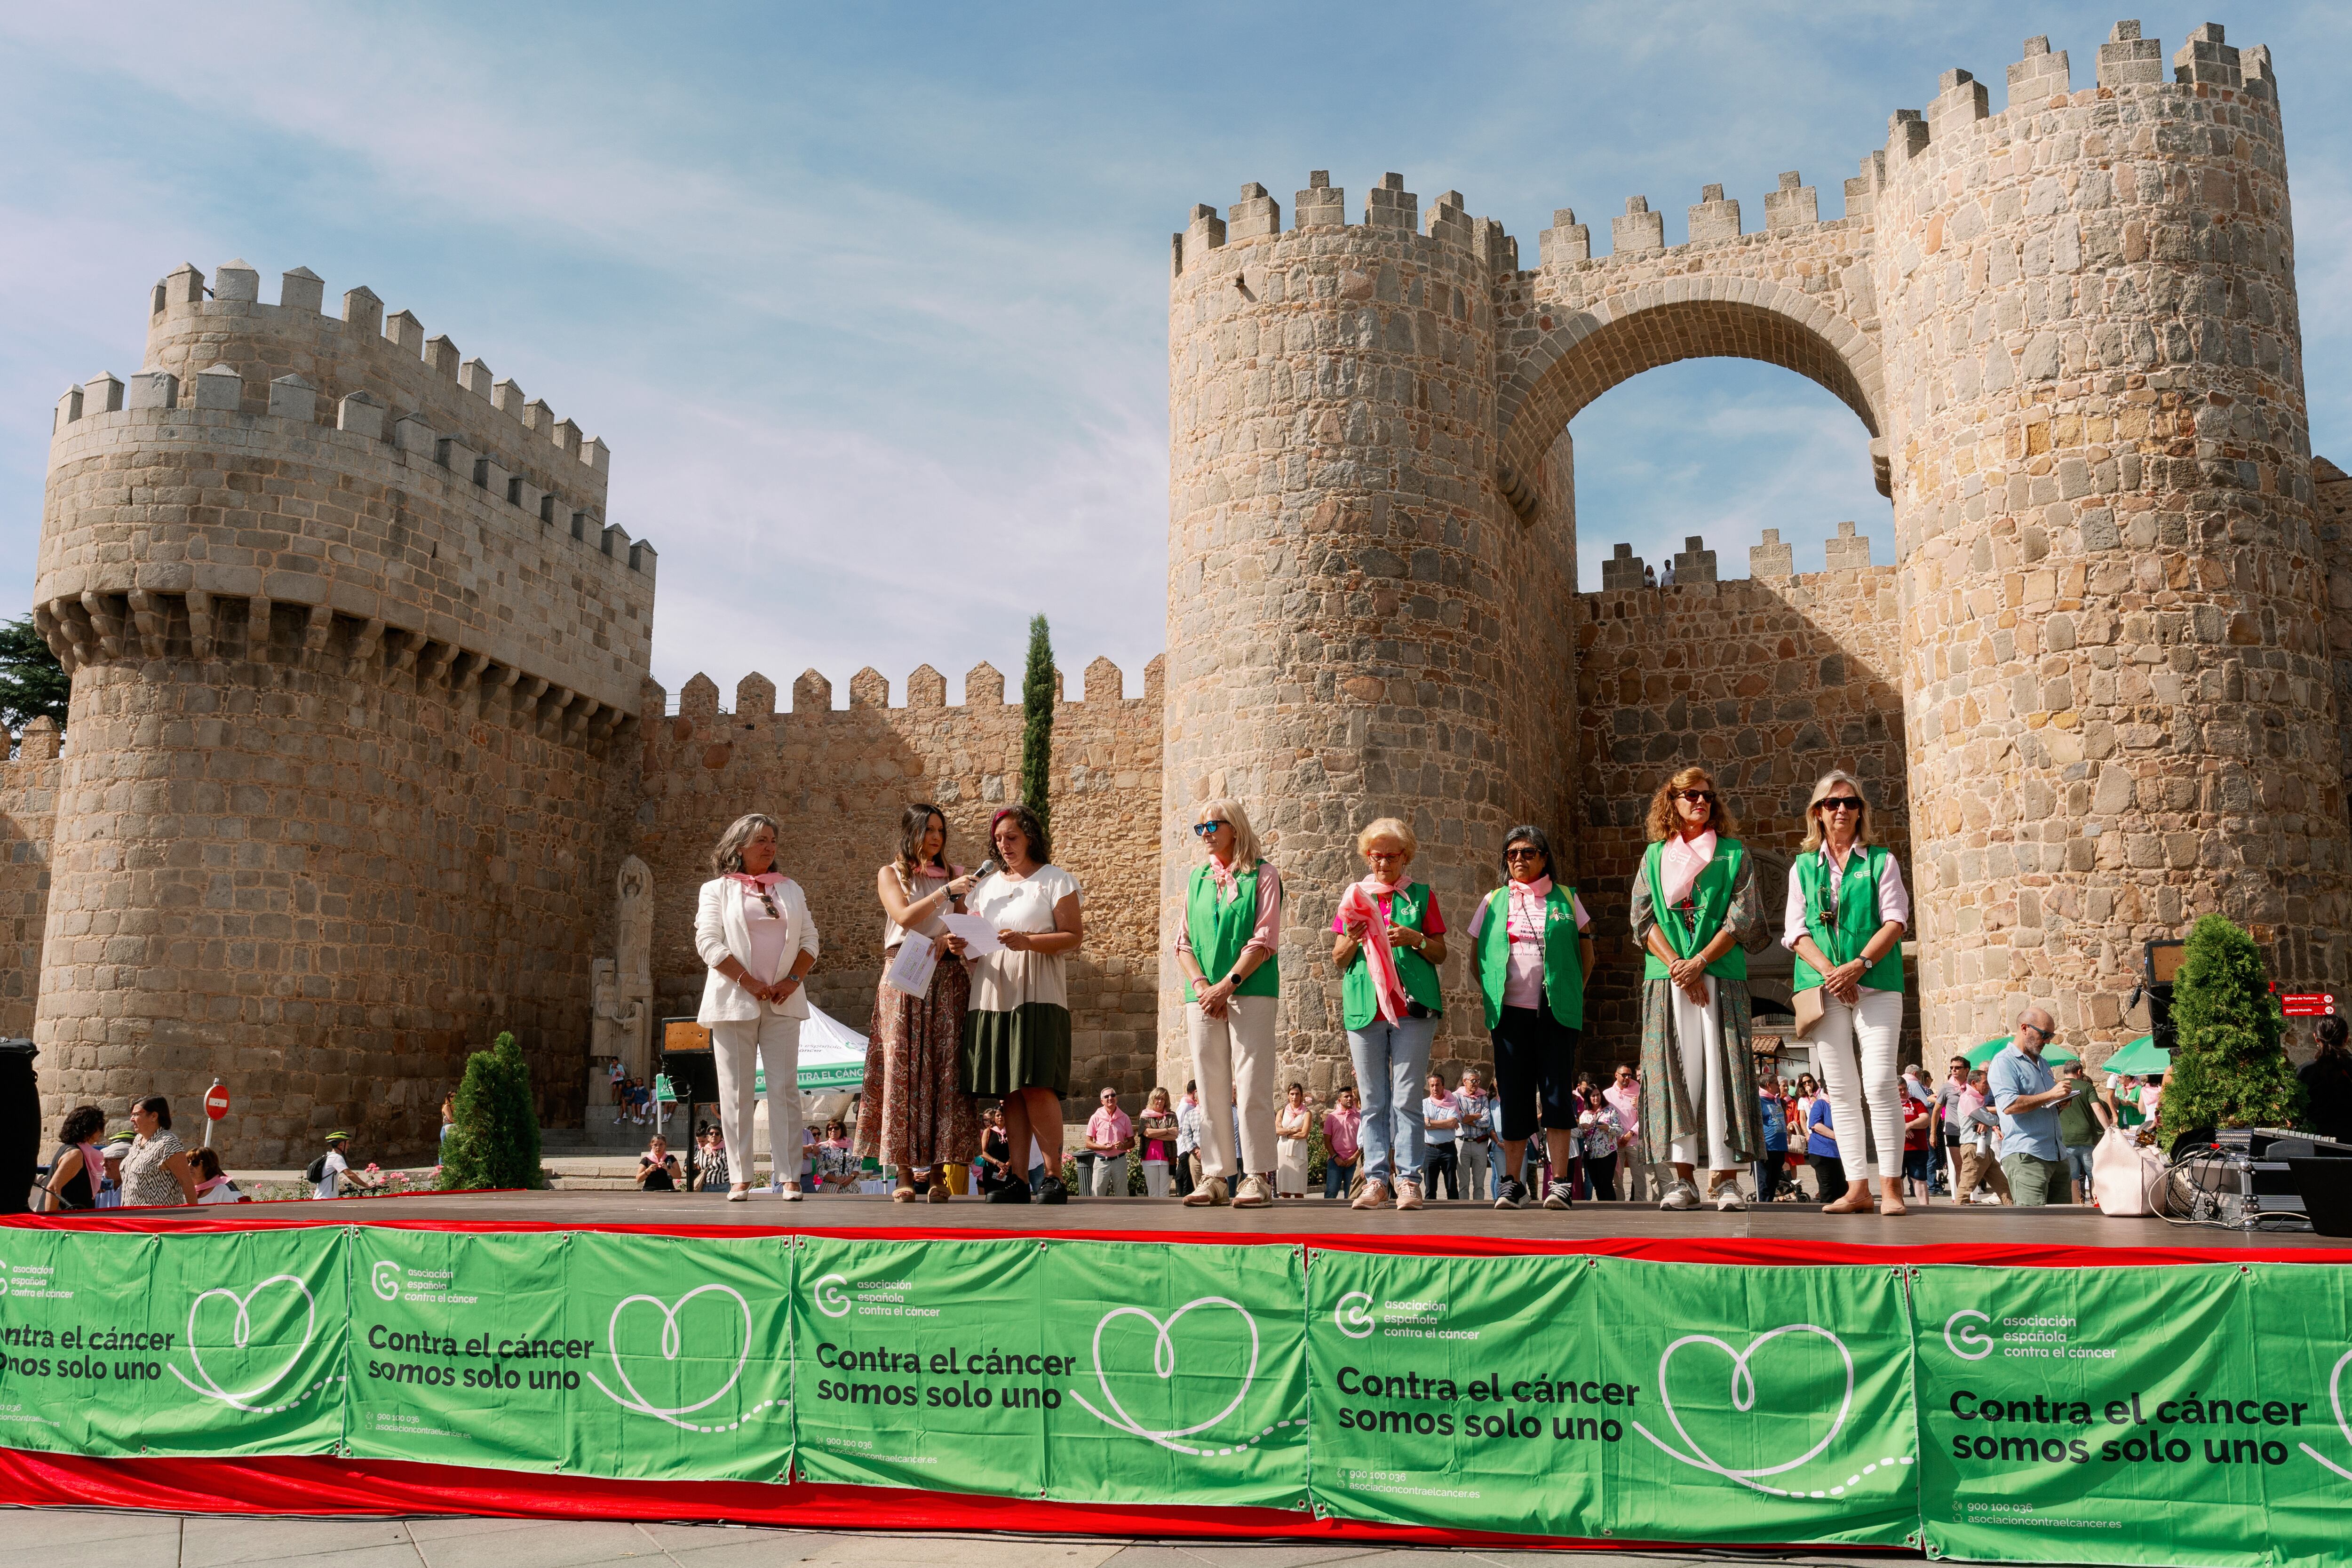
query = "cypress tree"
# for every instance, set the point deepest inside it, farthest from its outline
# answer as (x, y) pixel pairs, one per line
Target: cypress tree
(1037, 722)
(2228, 1061)
(496, 1141)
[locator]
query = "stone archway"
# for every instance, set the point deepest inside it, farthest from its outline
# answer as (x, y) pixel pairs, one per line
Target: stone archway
(1578, 353)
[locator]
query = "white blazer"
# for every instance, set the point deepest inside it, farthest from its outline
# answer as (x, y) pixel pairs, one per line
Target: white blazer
(721, 929)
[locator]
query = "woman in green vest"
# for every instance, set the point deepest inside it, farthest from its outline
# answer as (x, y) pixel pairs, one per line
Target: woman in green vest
(1529, 952)
(1696, 915)
(1391, 941)
(1847, 910)
(1227, 953)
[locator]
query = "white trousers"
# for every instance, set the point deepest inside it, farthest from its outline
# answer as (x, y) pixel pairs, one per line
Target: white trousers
(1229, 1054)
(777, 1039)
(1698, 1052)
(1874, 1024)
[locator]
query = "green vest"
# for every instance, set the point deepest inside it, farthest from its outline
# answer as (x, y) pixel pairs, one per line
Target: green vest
(1219, 931)
(1858, 921)
(1359, 1007)
(1563, 979)
(1710, 902)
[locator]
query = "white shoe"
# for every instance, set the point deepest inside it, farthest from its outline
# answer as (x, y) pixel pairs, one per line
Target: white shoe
(1728, 1198)
(1408, 1195)
(1680, 1195)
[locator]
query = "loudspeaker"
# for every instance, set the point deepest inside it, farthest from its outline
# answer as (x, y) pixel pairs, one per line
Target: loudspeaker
(20, 1125)
(2326, 1189)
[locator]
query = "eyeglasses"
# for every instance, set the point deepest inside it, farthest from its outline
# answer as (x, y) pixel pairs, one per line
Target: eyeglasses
(1522, 854)
(1696, 796)
(1841, 803)
(1207, 829)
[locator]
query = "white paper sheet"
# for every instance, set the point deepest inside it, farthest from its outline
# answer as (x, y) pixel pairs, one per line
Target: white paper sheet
(910, 970)
(979, 935)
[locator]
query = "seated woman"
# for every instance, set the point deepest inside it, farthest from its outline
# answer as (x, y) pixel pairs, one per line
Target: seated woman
(212, 1185)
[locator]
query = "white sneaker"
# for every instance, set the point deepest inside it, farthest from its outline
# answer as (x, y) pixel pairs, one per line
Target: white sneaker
(1408, 1195)
(1728, 1198)
(1680, 1195)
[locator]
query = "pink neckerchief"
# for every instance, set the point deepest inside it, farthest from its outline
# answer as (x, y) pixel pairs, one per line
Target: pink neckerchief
(1685, 859)
(1222, 875)
(210, 1182)
(1540, 891)
(757, 882)
(1364, 901)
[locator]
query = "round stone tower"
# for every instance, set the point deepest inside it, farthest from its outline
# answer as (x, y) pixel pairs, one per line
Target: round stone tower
(349, 646)
(1359, 623)
(2119, 693)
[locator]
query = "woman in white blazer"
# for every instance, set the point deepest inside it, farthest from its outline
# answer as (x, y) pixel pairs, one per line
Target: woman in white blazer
(752, 927)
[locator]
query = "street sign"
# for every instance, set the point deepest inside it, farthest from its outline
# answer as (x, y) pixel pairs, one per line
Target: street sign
(216, 1101)
(2308, 1004)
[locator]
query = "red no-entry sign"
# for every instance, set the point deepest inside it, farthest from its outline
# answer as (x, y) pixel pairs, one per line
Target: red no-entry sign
(216, 1101)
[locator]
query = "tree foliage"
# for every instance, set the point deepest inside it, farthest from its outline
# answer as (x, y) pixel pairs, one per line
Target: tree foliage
(2228, 1057)
(494, 1142)
(33, 684)
(1037, 722)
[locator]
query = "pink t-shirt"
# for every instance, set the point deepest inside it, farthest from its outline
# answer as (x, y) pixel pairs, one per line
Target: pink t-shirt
(1523, 970)
(1627, 1105)
(1111, 1127)
(1341, 1130)
(767, 932)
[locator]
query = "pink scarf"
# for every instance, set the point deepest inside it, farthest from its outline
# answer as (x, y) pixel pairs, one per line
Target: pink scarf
(1685, 859)
(1222, 875)
(210, 1182)
(1540, 889)
(1362, 901)
(764, 879)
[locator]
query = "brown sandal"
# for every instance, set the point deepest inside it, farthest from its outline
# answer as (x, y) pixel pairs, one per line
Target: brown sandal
(1856, 1200)
(902, 1195)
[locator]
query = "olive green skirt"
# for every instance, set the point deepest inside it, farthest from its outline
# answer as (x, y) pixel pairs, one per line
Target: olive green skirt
(1028, 1047)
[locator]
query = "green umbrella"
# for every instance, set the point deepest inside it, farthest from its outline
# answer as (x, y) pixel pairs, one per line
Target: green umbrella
(1984, 1054)
(2142, 1056)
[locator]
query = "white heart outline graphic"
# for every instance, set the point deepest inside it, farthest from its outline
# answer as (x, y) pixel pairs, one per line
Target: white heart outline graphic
(2335, 1399)
(1163, 1362)
(1698, 1457)
(671, 1344)
(243, 1331)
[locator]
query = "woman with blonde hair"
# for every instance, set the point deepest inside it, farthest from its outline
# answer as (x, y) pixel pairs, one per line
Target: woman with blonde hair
(914, 1115)
(1231, 930)
(1696, 917)
(1391, 941)
(1845, 918)
(751, 926)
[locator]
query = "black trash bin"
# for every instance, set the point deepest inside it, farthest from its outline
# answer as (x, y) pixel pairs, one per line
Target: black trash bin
(20, 1125)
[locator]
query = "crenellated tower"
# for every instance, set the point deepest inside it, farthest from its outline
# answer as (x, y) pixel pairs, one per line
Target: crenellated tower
(2069, 330)
(351, 647)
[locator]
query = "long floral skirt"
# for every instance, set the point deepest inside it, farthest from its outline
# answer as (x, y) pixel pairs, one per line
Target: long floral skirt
(915, 1113)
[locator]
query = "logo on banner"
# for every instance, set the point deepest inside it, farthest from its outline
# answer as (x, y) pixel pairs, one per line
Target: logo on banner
(673, 1319)
(1979, 1345)
(833, 1295)
(1211, 1343)
(1350, 1316)
(385, 1279)
(236, 1349)
(2335, 1399)
(1743, 1389)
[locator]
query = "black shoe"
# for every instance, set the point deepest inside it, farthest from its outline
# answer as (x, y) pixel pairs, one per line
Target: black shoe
(1559, 1195)
(1511, 1195)
(1050, 1190)
(1010, 1193)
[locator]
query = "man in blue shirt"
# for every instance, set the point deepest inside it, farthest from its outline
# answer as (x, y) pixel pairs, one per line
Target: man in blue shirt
(2026, 1093)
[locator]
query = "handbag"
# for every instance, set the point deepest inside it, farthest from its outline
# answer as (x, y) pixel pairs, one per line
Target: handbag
(1809, 1009)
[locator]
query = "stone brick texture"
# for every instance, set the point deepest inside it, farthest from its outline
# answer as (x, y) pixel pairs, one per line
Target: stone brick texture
(28, 811)
(837, 779)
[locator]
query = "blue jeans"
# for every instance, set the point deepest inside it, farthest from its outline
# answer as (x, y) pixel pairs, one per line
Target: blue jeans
(1336, 1178)
(2078, 1164)
(1391, 1062)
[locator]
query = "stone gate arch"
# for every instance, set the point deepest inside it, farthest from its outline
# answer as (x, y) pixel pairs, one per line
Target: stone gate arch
(1571, 352)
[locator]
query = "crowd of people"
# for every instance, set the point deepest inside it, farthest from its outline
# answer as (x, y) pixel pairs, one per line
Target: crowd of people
(983, 1017)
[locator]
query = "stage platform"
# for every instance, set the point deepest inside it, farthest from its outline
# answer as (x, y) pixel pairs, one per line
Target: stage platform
(1979, 1382)
(1613, 1226)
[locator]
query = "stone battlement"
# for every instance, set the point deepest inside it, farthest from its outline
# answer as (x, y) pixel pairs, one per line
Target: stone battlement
(983, 687)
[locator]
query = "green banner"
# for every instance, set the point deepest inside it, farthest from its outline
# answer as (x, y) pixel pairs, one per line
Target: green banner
(118, 1345)
(2077, 1415)
(1083, 1371)
(1600, 1398)
(637, 1356)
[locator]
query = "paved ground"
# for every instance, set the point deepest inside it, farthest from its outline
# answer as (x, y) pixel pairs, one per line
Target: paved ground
(49, 1538)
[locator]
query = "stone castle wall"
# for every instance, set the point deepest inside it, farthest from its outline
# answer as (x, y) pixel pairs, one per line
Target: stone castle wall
(29, 810)
(838, 778)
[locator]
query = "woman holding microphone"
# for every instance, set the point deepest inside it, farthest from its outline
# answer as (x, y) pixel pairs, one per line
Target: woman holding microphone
(752, 927)
(1846, 913)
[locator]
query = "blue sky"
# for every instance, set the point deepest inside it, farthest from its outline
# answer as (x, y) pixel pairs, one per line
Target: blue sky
(870, 301)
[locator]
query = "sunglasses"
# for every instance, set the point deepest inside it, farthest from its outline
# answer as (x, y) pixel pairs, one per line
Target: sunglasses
(1841, 803)
(1207, 829)
(1522, 855)
(1696, 796)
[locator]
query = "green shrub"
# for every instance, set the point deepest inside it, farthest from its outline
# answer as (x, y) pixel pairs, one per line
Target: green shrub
(1037, 724)
(494, 1142)
(2229, 1059)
